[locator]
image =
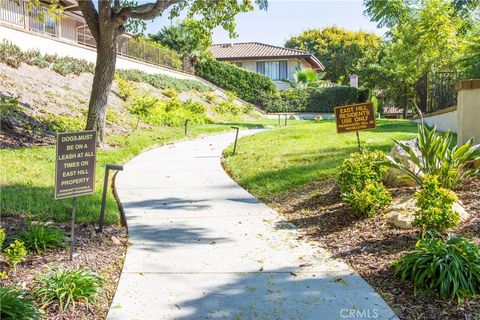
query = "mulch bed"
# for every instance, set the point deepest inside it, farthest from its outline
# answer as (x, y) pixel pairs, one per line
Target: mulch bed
(101, 253)
(370, 245)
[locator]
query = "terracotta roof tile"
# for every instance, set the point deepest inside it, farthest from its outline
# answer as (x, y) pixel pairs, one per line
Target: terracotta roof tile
(251, 50)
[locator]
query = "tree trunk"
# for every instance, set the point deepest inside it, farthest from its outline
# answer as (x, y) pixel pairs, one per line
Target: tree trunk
(102, 83)
(405, 101)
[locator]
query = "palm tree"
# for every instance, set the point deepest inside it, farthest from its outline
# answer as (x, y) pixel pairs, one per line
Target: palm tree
(185, 38)
(306, 78)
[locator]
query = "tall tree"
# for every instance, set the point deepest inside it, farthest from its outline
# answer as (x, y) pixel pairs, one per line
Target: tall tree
(188, 38)
(425, 36)
(341, 51)
(109, 18)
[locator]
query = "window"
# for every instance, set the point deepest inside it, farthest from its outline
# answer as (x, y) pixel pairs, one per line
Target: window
(238, 64)
(275, 70)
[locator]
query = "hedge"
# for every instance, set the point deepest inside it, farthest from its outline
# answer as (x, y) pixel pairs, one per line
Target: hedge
(250, 86)
(318, 99)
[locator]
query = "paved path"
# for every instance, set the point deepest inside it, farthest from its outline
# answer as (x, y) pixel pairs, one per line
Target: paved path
(204, 248)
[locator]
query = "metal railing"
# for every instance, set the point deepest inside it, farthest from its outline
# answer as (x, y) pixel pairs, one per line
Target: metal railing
(16, 14)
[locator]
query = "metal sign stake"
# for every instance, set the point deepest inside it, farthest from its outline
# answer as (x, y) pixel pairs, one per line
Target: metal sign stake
(358, 140)
(186, 126)
(236, 138)
(286, 120)
(72, 228)
(279, 119)
(104, 194)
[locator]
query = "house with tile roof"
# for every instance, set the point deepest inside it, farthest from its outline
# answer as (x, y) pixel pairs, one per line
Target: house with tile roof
(277, 63)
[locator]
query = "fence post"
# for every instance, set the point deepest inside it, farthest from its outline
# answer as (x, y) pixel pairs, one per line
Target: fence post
(468, 110)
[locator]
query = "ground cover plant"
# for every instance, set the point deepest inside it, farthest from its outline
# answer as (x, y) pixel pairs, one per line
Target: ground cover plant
(13, 56)
(161, 81)
(15, 253)
(450, 268)
(66, 286)
(37, 238)
(15, 305)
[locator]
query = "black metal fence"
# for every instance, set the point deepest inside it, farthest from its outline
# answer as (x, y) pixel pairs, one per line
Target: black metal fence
(436, 91)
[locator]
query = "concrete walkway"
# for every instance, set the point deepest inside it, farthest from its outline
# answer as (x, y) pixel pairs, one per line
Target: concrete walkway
(204, 248)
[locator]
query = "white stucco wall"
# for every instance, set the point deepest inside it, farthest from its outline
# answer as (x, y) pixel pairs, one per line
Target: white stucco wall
(292, 65)
(26, 41)
(443, 122)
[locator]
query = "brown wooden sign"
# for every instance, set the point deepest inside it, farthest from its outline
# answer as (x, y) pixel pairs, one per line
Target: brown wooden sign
(75, 164)
(355, 117)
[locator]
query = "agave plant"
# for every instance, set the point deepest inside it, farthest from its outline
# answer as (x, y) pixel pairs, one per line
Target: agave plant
(453, 165)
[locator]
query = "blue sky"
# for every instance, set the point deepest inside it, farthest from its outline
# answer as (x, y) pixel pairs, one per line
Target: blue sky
(285, 18)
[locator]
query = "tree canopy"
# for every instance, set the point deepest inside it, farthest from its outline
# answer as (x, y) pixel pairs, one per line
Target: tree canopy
(425, 36)
(110, 18)
(342, 52)
(188, 38)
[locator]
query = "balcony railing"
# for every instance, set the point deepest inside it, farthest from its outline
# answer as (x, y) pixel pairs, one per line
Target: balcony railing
(16, 14)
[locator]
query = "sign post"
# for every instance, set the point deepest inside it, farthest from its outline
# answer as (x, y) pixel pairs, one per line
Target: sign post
(236, 138)
(108, 167)
(75, 170)
(355, 117)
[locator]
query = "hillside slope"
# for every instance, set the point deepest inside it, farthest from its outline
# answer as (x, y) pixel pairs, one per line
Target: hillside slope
(49, 102)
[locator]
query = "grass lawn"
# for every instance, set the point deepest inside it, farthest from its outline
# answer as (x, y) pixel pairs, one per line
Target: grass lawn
(273, 162)
(27, 175)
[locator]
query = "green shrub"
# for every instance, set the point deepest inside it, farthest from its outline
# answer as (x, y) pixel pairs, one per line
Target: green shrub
(210, 97)
(125, 88)
(35, 58)
(294, 100)
(161, 81)
(65, 123)
(317, 99)
(195, 107)
(172, 112)
(360, 181)
(15, 253)
(8, 106)
(368, 200)
(143, 105)
(170, 92)
(67, 65)
(360, 168)
(250, 86)
(10, 54)
(452, 165)
(15, 306)
(451, 267)
(38, 238)
(248, 108)
(3, 236)
(228, 107)
(112, 117)
(65, 286)
(435, 206)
